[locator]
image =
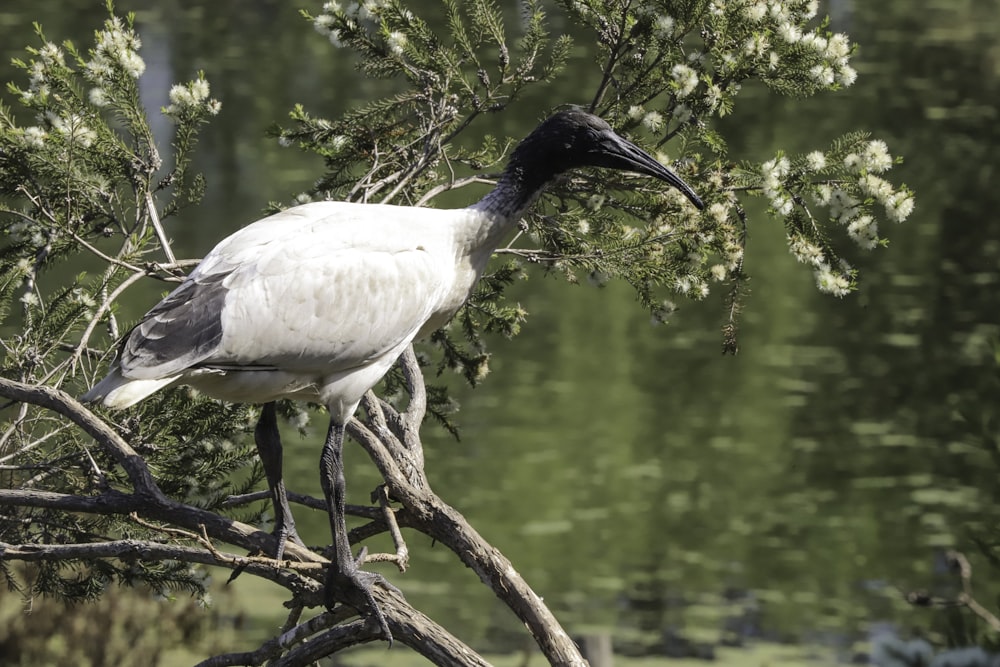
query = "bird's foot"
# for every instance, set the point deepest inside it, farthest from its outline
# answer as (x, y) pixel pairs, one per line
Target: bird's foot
(353, 586)
(283, 533)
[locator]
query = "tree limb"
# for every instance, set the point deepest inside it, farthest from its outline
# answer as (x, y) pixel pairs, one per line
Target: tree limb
(62, 403)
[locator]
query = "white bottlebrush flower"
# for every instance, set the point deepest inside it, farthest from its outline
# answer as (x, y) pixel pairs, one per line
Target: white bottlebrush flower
(773, 60)
(854, 162)
(583, 226)
(733, 254)
(718, 212)
(789, 32)
(782, 205)
(842, 205)
(899, 207)
(682, 113)
(98, 70)
(778, 167)
(190, 97)
(300, 419)
(180, 96)
(332, 8)
(368, 10)
(815, 161)
(713, 96)
(838, 46)
(51, 54)
(805, 251)
(876, 156)
(878, 188)
(864, 231)
(595, 202)
(84, 136)
(199, 90)
(132, 63)
(822, 74)
(653, 121)
(810, 9)
(636, 112)
(822, 194)
(29, 299)
(719, 272)
(755, 11)
(664, 26)
(98, 97)
(846, 76)
(831, 283)
(323, 23)
(396, 41)
(757, 45)
(34, 136)
(73, 128)
(773, 171)
(814, 41)
(685, 78)
(116, 44)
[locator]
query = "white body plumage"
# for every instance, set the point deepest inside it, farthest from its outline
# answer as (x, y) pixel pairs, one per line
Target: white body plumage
(317, 302)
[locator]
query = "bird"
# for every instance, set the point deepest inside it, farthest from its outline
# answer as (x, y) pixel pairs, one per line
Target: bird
(316, 302)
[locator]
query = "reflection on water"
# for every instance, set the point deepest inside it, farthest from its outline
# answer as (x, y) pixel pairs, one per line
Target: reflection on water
(640, 481)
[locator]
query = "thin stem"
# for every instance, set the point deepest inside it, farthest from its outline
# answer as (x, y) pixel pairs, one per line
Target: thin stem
(160, 233)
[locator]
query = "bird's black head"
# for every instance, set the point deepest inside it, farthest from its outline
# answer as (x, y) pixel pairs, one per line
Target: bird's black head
(575, 138)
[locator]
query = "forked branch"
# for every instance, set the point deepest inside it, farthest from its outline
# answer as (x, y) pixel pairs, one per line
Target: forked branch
(190, 535)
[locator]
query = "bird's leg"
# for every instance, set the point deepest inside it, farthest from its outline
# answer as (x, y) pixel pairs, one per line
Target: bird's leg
(269, 448)
(345, 578)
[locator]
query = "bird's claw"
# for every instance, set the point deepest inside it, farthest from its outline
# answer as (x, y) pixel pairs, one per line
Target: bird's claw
(283, 534)
(353, 586)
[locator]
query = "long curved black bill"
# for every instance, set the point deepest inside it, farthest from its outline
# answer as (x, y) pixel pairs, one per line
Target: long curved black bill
(620, 153)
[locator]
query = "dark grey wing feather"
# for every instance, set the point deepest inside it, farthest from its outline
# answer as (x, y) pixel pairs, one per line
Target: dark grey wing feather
(179, 332)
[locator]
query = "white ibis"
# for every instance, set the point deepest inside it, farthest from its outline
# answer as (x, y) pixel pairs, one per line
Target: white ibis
(317, 302)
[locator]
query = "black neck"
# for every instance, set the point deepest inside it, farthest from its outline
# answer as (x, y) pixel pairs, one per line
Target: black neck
(518, 187)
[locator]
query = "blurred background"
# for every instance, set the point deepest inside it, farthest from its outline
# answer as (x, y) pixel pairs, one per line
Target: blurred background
(648, 487)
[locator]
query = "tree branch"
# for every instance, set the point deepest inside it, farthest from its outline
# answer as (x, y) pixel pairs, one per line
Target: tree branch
(62, 403)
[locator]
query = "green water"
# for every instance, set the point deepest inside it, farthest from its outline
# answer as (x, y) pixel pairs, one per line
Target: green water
(638, 479)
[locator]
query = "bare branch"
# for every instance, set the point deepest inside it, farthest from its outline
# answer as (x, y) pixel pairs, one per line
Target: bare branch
(402, 556)
(453, 185)
(126, 550)
(966, 597)
(154, 217)
(67, 406)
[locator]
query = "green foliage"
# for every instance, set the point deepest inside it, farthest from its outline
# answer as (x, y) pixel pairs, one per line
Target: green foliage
(668, 68)
(130, 630)
(85, 185)
(78, 186)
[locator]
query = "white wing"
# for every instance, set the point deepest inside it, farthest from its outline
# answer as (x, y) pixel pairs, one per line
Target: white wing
(322, 287)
